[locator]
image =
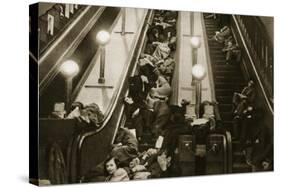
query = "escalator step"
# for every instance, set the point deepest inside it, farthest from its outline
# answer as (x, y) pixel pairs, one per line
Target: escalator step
(226, 116)
(225, 66)
(225, 92)
(241, 168)
(229, 73)
(217, 51)
(236, 146)
(218, 55)
(225, 107)
(238, 157)
(224, 99)
(228, 125)
(219, 62)
(229, 84)
(228, 81)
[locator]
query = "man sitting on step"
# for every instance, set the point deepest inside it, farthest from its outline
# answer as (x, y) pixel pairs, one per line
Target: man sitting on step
(247, 96)
(232, 52)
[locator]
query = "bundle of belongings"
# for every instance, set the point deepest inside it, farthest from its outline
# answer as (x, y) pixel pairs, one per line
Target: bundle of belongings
(89, 114)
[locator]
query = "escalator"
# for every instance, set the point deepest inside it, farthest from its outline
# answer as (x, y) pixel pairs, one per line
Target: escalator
(56, 136)
(92, 146)
(228, 78)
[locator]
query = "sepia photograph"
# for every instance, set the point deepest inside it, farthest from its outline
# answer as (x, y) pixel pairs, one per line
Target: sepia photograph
(124, 93)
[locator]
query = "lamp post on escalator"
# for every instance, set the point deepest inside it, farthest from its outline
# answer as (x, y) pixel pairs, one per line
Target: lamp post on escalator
(195, 44)
(103, 37)
(198, 71)
(69, 69)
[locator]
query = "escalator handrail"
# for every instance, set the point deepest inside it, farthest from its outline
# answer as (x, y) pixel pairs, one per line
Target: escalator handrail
(225, 164)
(210, 70)
(106, 120)
(229, 151)
(174, 98)
(253, 65)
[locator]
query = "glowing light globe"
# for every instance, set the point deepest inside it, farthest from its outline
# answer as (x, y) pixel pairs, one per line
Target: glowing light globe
(198, 72)
(103, 37)
(69, 68)
(195, 42)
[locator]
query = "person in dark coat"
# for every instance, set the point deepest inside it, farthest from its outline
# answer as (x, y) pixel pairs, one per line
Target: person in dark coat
(162, 114)
(125, 146)
(244, 99)
(138, 88)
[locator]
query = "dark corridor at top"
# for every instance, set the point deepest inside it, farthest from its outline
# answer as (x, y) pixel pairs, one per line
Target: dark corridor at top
(146, 133)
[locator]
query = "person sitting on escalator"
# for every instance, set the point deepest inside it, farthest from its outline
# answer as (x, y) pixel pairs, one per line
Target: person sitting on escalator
(138, 88)
(162, 50)
(166, 68)
(113, 170)
(125, 146)
(138, 171)
(243, 99)
(258, 147)
(162, 87)
(232, 52)
(222, 34)
(161, 22)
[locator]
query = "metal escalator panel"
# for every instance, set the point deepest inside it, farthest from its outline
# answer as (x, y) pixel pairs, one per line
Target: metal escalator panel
(216, 157)
(186, 155)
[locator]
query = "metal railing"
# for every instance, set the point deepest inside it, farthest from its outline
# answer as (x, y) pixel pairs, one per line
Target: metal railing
(260, 47)
(53, 23)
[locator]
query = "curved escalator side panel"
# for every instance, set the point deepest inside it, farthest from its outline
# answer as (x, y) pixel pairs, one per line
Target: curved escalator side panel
(82, 53)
